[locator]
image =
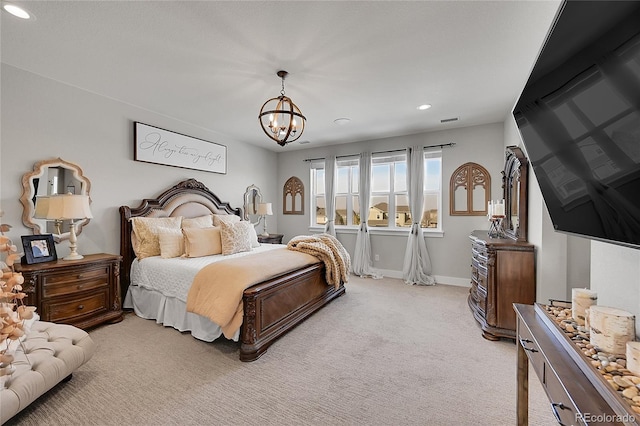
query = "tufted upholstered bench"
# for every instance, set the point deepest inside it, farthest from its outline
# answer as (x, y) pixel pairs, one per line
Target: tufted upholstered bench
(49, 354)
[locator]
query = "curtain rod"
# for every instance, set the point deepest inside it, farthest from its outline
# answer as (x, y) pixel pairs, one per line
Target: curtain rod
(442, 145)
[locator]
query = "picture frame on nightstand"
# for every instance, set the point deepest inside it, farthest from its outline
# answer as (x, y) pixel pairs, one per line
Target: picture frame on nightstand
(38, 249)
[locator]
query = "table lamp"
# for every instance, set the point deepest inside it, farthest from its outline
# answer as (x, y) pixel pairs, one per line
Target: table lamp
(69, 207)
(264, 210)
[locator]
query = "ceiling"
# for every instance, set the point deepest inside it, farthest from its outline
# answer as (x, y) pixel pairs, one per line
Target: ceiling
(213, 64)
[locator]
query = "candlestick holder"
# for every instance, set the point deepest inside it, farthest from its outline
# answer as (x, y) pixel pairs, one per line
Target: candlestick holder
(495, 226)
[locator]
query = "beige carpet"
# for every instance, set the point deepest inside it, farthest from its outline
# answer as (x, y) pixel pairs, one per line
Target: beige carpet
(383, 354)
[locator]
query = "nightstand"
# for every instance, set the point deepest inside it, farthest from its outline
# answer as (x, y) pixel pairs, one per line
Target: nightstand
(83, 293)
(271, 239)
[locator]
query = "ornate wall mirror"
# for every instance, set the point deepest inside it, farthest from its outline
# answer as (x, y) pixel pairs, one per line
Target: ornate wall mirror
(469, 190)
(293, 196)
(252, 197)
(51, 177)
(514, 184)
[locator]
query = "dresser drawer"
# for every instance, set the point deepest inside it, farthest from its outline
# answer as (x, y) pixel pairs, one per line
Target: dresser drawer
(536, 358)
(68, 310)
(70, 283)
(561, 404)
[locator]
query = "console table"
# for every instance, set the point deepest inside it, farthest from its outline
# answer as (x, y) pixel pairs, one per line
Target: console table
(576, 390)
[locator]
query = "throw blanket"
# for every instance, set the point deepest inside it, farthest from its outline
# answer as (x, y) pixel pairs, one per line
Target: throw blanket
(217, 289)
(327, 248)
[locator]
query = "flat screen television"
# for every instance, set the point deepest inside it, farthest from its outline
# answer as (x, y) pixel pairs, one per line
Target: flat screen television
(579, 119)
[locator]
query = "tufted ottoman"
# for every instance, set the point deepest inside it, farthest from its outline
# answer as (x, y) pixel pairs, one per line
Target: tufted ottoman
(49, 353)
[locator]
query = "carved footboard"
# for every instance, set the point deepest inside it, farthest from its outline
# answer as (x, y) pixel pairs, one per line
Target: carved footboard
(276, 306)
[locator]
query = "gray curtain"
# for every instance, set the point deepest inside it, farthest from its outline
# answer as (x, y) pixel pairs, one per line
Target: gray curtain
(362, 264)
(330, 194)
(417, 264)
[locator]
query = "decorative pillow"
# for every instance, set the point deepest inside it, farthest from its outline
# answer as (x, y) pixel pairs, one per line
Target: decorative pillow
(200, 242)
(205, 221)
(146, 231)
(229, 218)
(171, 242)
(254, 237)
(236, 237)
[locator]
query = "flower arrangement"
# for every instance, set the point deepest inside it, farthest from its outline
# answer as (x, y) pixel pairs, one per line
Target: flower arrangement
(13, 311)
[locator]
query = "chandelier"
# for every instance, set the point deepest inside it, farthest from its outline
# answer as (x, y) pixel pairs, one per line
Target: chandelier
(280, 118)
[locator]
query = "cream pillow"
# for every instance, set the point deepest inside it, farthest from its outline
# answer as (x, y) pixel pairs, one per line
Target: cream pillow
(254, 237)
(236, 237)
(171, 242)
(229, 218)
(200, 242)
(146, 242)
(205, 221)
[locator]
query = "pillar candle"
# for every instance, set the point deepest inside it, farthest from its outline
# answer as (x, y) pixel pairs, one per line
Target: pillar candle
(581, 300)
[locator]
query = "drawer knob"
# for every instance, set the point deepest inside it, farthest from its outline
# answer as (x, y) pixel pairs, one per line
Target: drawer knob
(554, 407)
(80, 307)
(524, 342)
(80, 287)
(80, 276)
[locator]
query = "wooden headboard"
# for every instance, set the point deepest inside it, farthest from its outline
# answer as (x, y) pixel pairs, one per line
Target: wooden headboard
(188, 198)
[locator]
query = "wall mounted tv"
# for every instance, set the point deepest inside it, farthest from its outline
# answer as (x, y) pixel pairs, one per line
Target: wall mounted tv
(579, 118)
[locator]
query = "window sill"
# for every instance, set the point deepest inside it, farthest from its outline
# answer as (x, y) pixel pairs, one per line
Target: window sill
(398, 232)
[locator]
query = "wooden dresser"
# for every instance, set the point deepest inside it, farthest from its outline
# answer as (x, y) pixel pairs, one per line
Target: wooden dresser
(83, 293)
(502, 273)
(578, 393)
(270, 239)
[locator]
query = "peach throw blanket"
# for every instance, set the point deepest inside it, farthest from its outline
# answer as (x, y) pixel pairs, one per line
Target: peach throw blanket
(217, 289)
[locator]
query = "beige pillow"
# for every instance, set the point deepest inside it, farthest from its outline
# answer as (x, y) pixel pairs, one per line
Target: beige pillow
(205, 221)
(229, 218)
(200, 242)
(146, 242)
(236, 237)
(171, 242)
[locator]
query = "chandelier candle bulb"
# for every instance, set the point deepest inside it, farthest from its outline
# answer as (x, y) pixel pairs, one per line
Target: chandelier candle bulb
(610, 328)
(581, 300)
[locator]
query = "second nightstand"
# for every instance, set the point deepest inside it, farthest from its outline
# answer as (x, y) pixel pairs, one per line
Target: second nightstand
(270, 239)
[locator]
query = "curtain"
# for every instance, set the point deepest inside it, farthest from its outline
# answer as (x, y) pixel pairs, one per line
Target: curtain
(362, 264)
(330, 194)
(417, 264)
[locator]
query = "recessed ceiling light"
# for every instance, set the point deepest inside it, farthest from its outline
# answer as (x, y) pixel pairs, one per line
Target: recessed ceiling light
(16, 11)
(424, 106)
(342, 121)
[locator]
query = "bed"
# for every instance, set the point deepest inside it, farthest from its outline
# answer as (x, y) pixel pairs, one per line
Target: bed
(269, 308)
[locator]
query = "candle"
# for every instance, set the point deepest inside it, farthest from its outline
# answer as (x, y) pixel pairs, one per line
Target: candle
(490, 208)
(581, 300)
(498, 209)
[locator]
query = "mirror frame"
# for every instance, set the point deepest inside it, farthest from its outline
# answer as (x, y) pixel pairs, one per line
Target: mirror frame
(251, 205)
(28, 192)
(516, 172)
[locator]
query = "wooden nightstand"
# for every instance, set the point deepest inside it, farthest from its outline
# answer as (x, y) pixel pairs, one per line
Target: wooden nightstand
(271, 239)
(83, 293)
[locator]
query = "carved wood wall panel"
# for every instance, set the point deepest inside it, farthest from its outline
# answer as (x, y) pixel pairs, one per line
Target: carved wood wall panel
(469, 190)
(293, 196)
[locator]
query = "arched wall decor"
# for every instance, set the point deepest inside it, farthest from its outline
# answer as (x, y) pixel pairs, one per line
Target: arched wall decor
(469, 190)
(293, 196)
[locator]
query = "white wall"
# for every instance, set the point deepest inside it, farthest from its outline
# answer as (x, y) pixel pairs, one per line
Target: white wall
(44, 119)
(450, 254)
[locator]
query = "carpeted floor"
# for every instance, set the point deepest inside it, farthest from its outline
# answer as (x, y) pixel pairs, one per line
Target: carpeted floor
(383, 354)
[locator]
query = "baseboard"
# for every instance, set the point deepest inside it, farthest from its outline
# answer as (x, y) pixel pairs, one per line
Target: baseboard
(440, 279)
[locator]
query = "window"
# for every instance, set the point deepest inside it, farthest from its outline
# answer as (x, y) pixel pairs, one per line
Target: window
(389, 203)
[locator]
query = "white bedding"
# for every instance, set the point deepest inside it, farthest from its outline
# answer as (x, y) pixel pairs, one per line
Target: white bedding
(159, 289)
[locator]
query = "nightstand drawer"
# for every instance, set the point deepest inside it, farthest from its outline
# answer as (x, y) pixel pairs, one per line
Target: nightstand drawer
(67, 311)
(58, 285)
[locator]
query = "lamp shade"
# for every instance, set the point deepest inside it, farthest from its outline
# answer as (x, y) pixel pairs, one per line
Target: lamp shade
(68, 206)
(265, 209)
(42, 207)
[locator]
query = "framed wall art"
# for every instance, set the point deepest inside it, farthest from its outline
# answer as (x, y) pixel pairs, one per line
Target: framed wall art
(39, 248)
(160, 146)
